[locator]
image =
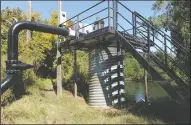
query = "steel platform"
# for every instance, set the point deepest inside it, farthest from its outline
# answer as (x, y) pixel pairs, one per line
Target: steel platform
(103, 37)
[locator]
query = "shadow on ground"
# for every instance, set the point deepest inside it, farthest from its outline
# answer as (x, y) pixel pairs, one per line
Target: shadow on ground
(164, 109)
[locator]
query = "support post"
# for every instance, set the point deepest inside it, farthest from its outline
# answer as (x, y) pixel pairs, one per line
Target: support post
(148, 58)
(118, 53)
(133, 22)
(165, 50)
(145, 86)
(59, 58)
(75, 75)
(29, 19)
(118, 73)
(113, 4)
(109, 22)
(148, 40)
(115, 14)
(75, 68)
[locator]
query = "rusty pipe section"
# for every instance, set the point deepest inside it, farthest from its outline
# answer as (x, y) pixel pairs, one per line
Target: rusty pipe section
(14, 66)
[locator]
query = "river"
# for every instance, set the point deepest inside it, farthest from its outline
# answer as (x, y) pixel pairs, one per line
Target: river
(135, 91)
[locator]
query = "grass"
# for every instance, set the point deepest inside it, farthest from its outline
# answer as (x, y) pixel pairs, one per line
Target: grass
(42, 106)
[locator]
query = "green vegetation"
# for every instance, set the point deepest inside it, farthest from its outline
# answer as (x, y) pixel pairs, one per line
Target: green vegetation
(132, 69)
(39, 103)
(44, 45)
(45, 107)
(42, 106)
(174, 16)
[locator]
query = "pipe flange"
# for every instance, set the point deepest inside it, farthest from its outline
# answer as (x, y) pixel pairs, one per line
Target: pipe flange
(12, 61)
(10, 72)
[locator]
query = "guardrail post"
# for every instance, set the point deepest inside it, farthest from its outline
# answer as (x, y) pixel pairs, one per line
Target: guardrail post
(165, 50)
(75, 70)
(118, 52)
(114, 14)
(113, 11)
(109, 22)
(146, 86)
(134, 24)
(148, 40)
(77, 27)
(75, 75)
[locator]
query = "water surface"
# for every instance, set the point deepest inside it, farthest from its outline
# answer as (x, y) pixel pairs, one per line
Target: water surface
(135, 91)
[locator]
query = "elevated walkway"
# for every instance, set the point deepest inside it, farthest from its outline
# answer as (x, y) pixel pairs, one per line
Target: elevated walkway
(160, 49)
(104, 37)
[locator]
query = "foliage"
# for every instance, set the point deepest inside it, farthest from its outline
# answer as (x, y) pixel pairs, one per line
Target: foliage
(42, 106)
(41, 49)
(132, 68)
(174, 16)
(8, 17)
(41, 52)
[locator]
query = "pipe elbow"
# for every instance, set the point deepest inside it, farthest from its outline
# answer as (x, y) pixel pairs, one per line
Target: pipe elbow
(5, 83)
(33, 26)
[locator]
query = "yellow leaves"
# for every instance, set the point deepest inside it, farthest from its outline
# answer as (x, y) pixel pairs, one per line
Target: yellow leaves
(69, 23)
(35, 17)
(36, 47)
(54, 19)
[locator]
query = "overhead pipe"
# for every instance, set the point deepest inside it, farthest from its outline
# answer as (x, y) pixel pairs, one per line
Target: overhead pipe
(13, 66)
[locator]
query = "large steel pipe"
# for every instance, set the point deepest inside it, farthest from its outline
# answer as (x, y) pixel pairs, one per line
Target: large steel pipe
(23, 25)
(13, 66)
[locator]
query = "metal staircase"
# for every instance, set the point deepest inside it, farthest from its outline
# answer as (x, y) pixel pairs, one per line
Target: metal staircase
(159, 51)
(164, 61)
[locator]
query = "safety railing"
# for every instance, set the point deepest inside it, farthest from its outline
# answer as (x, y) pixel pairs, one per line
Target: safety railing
(81, 23)
(164, 47)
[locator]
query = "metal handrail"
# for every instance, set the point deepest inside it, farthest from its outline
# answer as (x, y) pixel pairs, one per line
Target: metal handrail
(161, 32)
(127, 33)
(155, 43)
(133, 26)
(169, 57)
(173, 64)
(151, 25)
(90, 16)
(83, 11)
(93, 22)
(161, 41)
(125, 7)
(125, 19)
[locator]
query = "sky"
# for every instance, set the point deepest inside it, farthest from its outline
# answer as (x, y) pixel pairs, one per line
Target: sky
(74, 7)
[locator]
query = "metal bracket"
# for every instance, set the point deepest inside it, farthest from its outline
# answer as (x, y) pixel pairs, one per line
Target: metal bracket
(14, 67)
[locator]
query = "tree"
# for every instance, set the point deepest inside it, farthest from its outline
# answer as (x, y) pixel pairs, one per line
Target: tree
(174, 16)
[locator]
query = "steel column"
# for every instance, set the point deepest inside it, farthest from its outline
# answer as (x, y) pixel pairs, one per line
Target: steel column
(148, 40)
(109, 22)
(165, 50)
